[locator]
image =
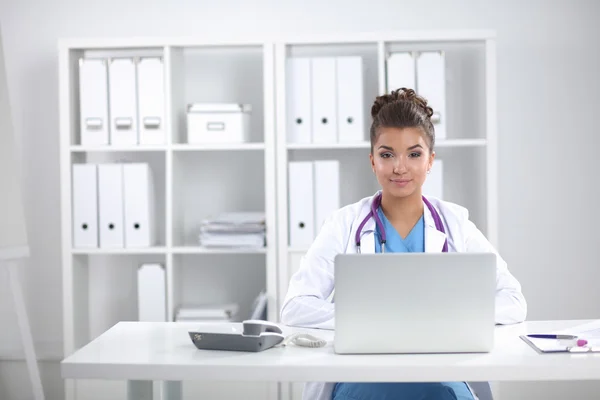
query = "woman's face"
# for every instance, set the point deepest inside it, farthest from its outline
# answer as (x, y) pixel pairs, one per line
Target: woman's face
(401, 159)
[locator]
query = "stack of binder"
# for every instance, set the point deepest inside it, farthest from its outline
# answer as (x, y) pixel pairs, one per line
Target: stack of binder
(113, 206)
(325, 102)
(425, 72)
(122, 101)
(314, 194)
(207, 313)
(234, 229)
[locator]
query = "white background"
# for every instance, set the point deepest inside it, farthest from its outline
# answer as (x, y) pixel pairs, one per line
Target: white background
(548, 101)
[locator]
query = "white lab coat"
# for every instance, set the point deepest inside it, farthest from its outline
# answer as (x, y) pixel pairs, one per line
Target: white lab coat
(307, 302)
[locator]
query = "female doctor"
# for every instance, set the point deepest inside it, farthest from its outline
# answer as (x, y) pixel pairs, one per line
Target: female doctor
(402, 154)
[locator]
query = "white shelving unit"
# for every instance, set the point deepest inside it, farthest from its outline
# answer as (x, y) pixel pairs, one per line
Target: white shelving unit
(193, 182)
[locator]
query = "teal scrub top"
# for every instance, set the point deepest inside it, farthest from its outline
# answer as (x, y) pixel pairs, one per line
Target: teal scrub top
(413, 243)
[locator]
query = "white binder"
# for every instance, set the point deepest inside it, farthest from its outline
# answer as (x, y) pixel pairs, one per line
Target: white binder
(151, 101)
(93, 102)
(299, 121)
(431, 84)
(123, 105)
(110, 205)
(152, 293)
(434, 183)
(301, 203)
(350, 97)
(85, 206)
(324, 99)
(138, 194)
(400, 71)
(327, 190)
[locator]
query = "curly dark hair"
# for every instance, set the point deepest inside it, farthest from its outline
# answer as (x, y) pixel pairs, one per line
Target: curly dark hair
(403, 108)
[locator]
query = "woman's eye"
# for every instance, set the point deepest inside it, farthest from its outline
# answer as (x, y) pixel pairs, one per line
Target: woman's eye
(385, 155)
(416, 154)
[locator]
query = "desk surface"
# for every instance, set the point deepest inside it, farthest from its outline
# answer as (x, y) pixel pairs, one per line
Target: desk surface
(164, 351)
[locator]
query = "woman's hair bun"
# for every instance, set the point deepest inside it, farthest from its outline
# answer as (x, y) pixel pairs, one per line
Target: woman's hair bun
(401, 95)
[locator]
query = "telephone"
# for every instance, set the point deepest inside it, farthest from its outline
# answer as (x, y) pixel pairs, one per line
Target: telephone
(257, 335)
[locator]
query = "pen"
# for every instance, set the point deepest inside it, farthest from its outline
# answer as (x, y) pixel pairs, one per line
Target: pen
(579, 343)
(565, 337)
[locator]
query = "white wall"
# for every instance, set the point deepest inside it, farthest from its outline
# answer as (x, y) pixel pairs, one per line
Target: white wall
(549, 96)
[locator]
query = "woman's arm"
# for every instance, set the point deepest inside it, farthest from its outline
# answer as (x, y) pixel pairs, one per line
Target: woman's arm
(306, 303)
(511, 306)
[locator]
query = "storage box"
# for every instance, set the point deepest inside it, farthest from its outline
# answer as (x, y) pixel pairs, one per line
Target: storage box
(218, 123)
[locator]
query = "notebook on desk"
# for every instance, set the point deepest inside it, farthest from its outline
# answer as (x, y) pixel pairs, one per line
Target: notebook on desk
(578, 339)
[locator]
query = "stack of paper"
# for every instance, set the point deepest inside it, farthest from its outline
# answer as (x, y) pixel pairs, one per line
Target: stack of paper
(234, 229)
(207, 313)
(589, 331)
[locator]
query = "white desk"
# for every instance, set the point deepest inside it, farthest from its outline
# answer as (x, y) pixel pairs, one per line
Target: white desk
(144, 352)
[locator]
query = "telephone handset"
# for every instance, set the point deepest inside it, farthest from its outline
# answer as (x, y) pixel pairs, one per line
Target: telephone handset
(257, 335)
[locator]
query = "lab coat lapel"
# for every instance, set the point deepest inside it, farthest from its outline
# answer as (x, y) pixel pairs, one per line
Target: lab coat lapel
(367, 236)
(434, 239)
(367, 240)
(367, 244)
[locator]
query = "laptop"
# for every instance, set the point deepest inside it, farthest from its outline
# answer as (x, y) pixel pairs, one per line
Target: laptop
(414, 303)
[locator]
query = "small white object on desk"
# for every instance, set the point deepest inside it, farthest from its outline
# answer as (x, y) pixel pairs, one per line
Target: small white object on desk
(218, 123)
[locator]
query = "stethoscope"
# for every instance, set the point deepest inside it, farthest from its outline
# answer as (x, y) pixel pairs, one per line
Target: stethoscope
(373, 213)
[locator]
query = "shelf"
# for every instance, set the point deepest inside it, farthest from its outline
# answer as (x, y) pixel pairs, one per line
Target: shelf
(367, 145)
(174, 250)
(111, 149)
(328, 146)
(213, 147)
(174, 147)
(120, 251)
(297, 250)
(217, 250)
(461, 143)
